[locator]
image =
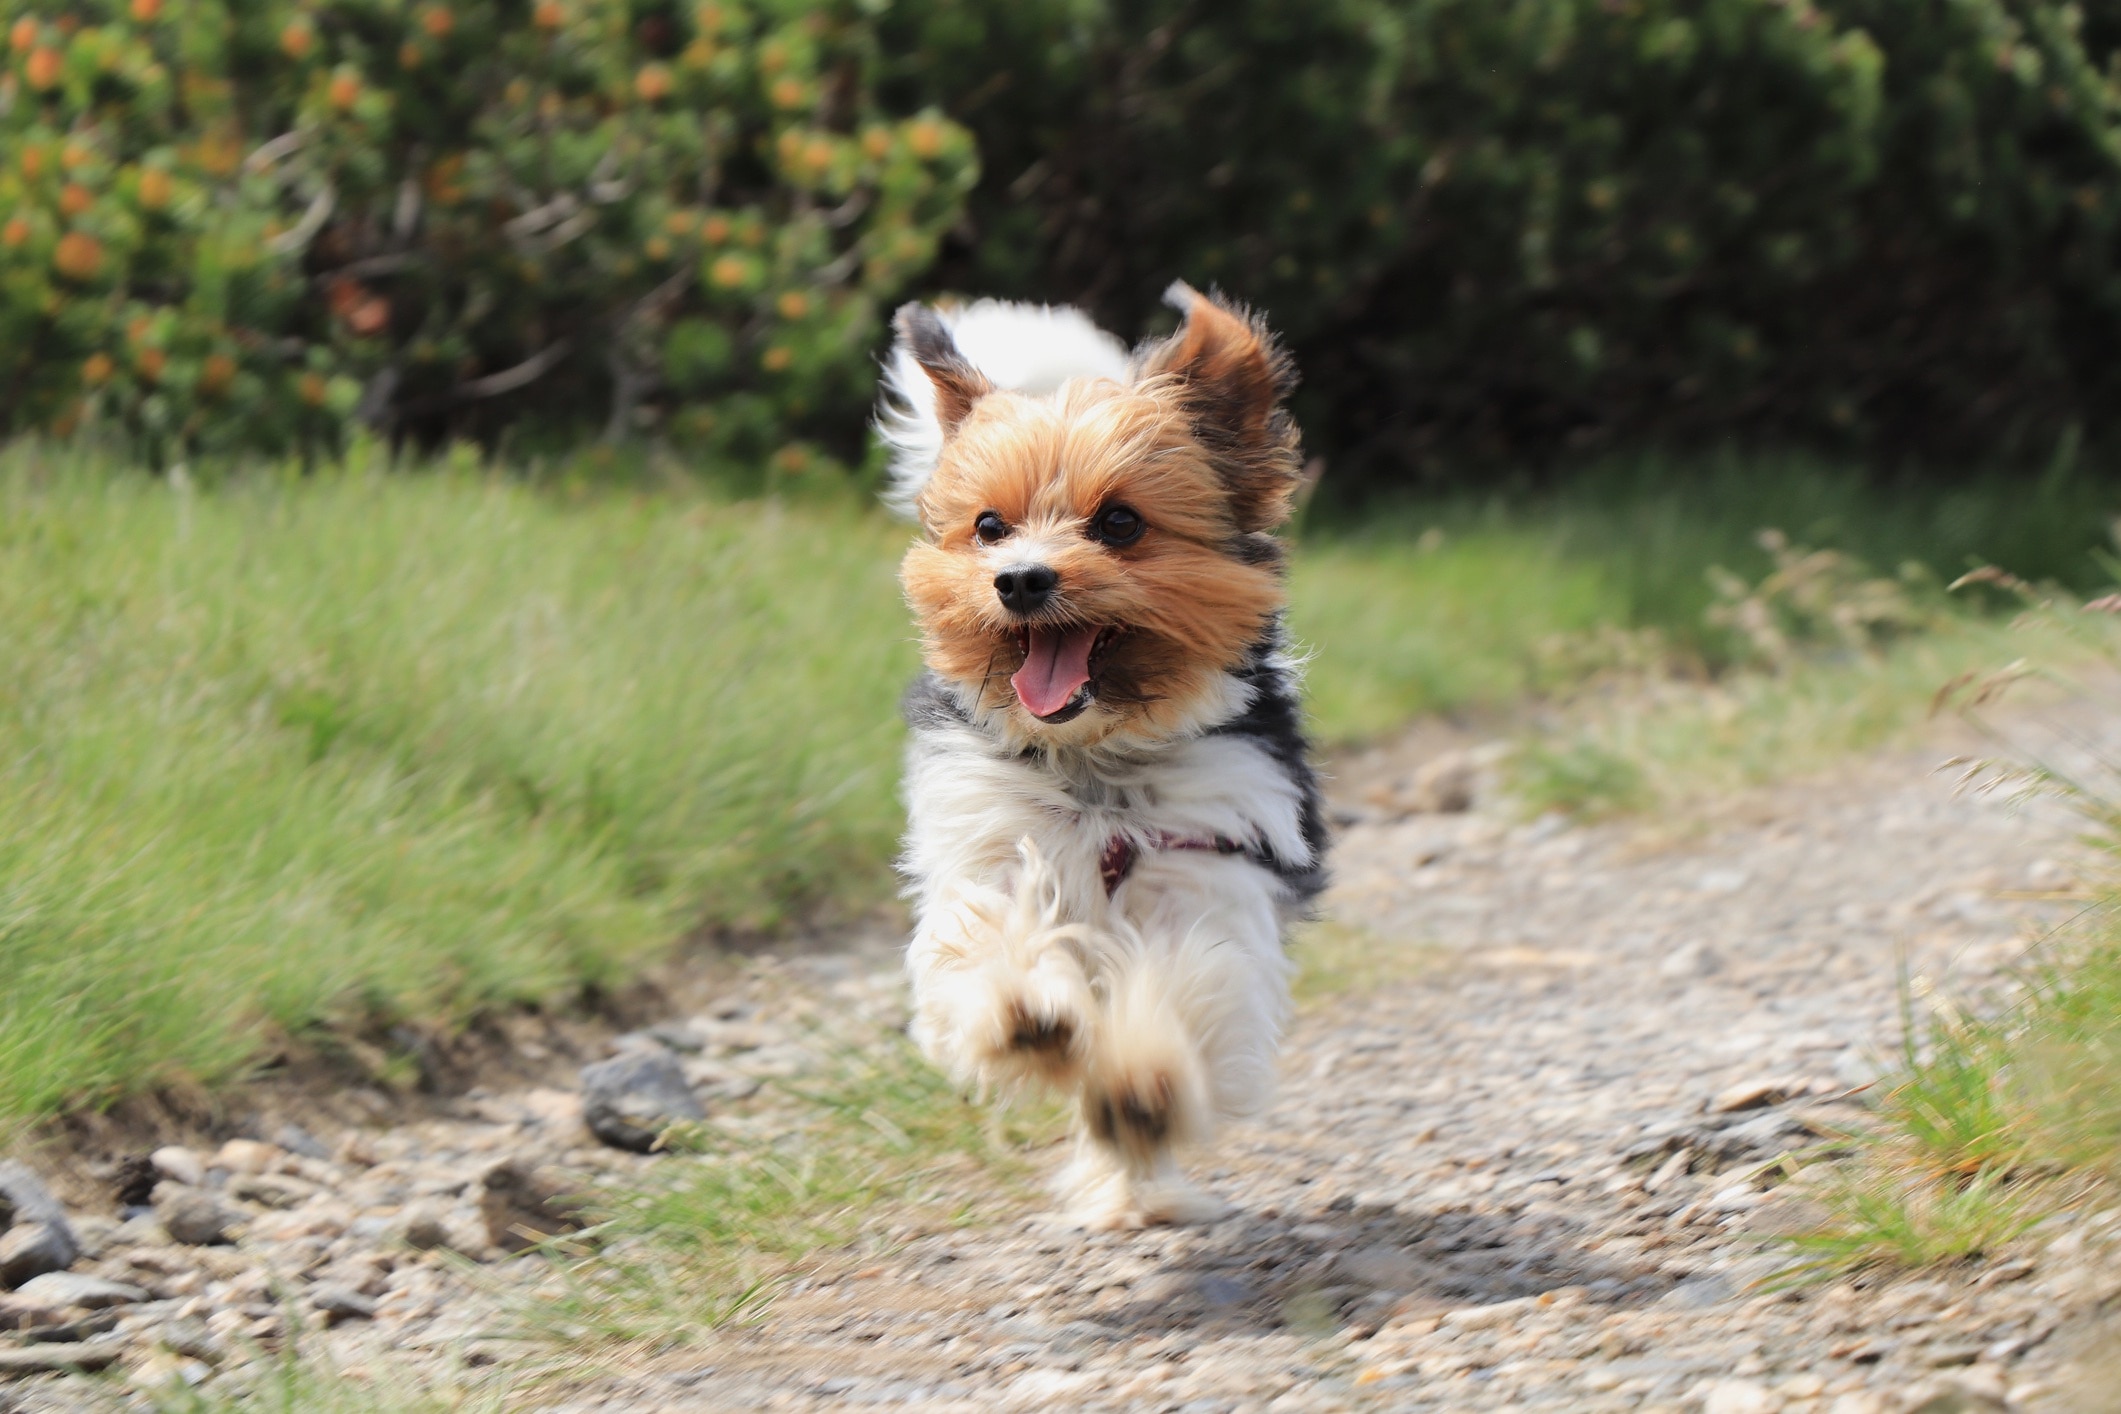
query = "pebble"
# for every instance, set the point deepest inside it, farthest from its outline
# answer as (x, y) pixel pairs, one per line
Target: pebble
(194, 1216)
(1740, 1397)
(179, 1165)
(339, 1303)
(1752, 1094)
(629, 1100)
(248, 1156)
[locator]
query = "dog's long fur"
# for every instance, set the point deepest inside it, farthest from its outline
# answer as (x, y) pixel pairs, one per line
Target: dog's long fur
(1101, 894)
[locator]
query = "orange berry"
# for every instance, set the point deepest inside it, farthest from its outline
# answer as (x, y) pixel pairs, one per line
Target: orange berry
(152, 362)
(43, 67)
(793, 305)
(370, 317)
(925, 138)
(728, 272)
(773, 58)
(550, 14)
(137, 331)
(147, 11)
(97, 368)
(409, 55)
(15, 233)
(75, 199)
(438, 21)
(155, 188)
(22, 34)
(652, 83)
(876, 144)
(656, 248)
(789, 93)
(777, 359)
(78, 256)
(74, 155)
(680, 223)
(345, 89)
(297, 40)
(714, 230)
(33, 162)
(216, 374)
(310, 387)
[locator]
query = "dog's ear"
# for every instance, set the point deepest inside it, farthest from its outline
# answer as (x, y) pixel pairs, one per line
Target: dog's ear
(1232, 377)
(958, 385)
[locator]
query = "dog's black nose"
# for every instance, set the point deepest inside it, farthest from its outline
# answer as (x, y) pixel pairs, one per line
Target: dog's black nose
(1024, 589)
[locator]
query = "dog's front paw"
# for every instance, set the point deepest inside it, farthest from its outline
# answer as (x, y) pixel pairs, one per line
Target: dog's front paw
(1044, 1029)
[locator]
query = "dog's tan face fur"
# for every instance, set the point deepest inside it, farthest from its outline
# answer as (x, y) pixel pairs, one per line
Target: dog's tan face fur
(1197, 448)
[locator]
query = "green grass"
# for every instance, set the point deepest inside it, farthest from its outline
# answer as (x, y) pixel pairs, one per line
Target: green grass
(283, 754)
(297, 751)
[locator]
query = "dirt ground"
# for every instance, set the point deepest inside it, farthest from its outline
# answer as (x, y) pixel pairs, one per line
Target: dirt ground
(1539, 1104)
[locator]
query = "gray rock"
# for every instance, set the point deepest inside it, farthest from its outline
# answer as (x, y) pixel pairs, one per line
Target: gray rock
(28, 1250)
(193, 1216)
(78, 1289)
(25, 1201)
(629, 1100)
(342, 1303)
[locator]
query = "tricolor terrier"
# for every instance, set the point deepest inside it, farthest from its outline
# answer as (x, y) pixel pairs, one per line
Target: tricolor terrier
(1112, 818)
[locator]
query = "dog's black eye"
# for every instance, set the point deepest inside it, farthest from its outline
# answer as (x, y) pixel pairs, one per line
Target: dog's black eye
(990, 527)
(1117, 525)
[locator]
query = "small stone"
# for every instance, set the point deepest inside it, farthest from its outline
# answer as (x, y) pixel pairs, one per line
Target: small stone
(1690, 960)
(297, 1140)
(523, 1205)
(193, 1216)
(25, 1202)
(248, 1156)
(1752, 1094)
(75, 1289)
(629, 1100)
(426, 1230)
(272, 1190)
(59, 1359)
(1740, 1397)
(339, 1303)
(1490, 1316)
(189, 1336)
(28, 1250)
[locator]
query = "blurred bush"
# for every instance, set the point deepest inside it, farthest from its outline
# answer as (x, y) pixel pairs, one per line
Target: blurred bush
(248, 224)
(1500, 228)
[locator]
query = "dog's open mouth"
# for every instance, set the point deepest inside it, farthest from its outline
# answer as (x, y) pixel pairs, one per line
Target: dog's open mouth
(1059, 675)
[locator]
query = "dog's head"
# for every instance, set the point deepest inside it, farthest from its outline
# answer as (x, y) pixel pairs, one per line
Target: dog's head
(1095, 560)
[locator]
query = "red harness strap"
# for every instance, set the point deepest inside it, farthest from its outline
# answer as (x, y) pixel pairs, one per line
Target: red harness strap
(1117, 861)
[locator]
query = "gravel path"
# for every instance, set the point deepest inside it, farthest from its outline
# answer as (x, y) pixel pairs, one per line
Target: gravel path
(1523, 1159)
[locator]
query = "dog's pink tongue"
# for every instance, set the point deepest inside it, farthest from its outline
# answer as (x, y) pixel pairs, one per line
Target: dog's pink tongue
(1057, 664)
